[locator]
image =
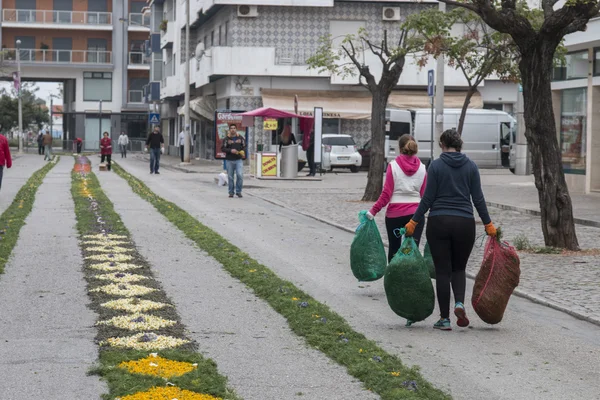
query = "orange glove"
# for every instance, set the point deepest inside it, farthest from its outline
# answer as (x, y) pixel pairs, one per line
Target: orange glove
(410, 227)
(490, 229)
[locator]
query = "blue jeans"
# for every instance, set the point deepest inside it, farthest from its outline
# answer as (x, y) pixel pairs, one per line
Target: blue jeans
(154, 160)
(237, 167)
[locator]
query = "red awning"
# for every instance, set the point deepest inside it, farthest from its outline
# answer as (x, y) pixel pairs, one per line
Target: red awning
(267, 112)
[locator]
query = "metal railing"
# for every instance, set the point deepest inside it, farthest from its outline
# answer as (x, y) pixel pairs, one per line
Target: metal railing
(138, 58)
(139, 19)
(58, 56)
(293, 56)
(135, 97)
(57, 17)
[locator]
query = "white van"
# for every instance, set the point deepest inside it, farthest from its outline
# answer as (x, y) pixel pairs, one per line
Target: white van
(487, 135)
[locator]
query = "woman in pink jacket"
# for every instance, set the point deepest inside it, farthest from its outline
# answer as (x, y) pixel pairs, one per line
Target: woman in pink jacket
(404, 186)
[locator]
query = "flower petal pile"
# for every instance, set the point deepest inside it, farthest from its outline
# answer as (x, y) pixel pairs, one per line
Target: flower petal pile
(124, 290)
(145, 341)
(114, 266)
(121, 277)
(155, 365)
(134, 305)
(106, 242)
(104, 236)
(109, 249)
(138, 322)
(110, 257)
(168, 393)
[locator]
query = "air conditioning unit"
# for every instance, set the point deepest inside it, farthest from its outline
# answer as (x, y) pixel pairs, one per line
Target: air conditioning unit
(391, 14)
(246, 11)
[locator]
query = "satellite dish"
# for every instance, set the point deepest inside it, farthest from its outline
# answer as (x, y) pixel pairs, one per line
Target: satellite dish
(200, 51)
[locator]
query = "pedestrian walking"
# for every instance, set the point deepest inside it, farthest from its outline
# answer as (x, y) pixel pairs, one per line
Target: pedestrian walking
(106, 149)
(453, 186)
(5, 158)
(78, 144)
(40, 142)
(405, 181)
(234, 147)
(123, 143)
(155, 143)
(310, 155)
(181, 143)
(47, 142)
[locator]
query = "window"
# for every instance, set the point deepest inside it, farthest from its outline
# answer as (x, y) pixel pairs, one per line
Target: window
(331, 125)
(596, 62)
(212, 38)
(572, 130)
(574, 67)
(97, 86)
(225, 38)
(206, 44)
(220, 35)
(339, 141)
(398, 129)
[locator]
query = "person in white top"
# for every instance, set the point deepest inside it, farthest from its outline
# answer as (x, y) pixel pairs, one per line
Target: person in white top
(123, 143)
(181, 143)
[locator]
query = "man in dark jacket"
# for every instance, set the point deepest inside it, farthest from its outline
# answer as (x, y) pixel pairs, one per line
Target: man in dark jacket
(5, 158)
(234, 147)
(40, 141)
(155, 143)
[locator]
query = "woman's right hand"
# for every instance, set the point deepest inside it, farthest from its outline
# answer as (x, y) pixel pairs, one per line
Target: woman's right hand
(410, 227)
(490, 229)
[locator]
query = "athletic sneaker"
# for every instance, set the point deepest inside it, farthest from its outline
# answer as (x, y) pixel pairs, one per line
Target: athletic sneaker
(443, 324)
(239, 195)
(459, 311)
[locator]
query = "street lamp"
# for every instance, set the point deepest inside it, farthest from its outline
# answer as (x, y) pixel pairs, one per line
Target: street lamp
(19, 97)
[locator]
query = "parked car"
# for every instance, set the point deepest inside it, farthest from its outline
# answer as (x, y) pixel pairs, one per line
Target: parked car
(340, 151)
(365, 153)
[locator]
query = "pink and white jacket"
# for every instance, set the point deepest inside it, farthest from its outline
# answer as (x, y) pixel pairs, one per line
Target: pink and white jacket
(405, 181)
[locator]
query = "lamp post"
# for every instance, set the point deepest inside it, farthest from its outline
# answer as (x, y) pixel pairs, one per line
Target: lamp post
(19, 97)
(186, 140)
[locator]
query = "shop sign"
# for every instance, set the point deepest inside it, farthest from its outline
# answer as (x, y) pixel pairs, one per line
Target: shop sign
(325, 114)
(269, 164)
(270, 124)
(223, 119)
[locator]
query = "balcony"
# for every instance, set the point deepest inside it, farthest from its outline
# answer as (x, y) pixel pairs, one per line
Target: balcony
(167, 36)
(139, 22)
(139, 61)
(294, 56)
(52, 19)
(135, 97)
(59, 57)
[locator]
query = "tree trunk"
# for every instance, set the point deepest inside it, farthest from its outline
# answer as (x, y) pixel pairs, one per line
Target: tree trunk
(375, 177)
(540, 129)
(463, 112)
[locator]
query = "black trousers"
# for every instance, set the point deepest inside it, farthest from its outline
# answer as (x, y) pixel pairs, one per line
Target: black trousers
(451, 241)
(106, 157)
(79, 146)
(181, 152)
(392, 224)
(40, 149)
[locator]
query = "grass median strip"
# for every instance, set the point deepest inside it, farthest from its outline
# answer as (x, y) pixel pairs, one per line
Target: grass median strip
(145, 352)
(323, 329)
(13, 219)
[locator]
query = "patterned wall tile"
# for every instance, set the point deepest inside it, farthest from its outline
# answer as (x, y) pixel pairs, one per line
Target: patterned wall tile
(359, 129)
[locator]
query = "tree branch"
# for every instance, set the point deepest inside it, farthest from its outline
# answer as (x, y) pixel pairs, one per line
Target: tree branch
(468, 6)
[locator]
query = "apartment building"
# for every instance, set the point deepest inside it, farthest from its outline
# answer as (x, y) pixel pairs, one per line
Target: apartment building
(96, 48)
(255, 53)
(576, 99)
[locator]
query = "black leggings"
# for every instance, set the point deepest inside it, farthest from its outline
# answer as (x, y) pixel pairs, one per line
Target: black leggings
(451, 241)
(398, 223)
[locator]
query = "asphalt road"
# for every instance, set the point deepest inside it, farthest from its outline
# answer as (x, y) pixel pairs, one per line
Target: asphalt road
(535, 353)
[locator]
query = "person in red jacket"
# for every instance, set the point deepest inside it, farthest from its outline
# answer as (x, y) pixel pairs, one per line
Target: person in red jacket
(106, 149)
(5, 158)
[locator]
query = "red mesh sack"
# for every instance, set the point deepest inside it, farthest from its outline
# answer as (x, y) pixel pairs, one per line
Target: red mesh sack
(496, 280)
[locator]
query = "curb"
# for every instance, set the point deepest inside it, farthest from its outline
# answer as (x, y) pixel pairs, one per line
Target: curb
(517, 292)
(579, 221)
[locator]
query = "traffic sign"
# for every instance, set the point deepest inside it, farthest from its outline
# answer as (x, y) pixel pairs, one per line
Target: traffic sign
(430, 83)
(154, 118)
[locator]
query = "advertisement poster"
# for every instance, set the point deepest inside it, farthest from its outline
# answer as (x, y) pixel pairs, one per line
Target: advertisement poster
(269, 164)
(223, 119)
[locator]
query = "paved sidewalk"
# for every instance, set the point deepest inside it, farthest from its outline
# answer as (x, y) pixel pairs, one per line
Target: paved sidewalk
(535, 353)
(14, 178)
(47, 331)
(251, 343)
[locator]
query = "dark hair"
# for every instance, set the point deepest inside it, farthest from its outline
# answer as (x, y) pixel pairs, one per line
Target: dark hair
(408, 145)
(451, 139)
(105, 133)
(234, 125)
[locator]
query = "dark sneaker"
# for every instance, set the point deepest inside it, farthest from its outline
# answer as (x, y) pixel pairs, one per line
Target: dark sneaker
(151, 172)
(157, 173)
(239, 195)
(443, 325)
(231, 195)
(459, 311)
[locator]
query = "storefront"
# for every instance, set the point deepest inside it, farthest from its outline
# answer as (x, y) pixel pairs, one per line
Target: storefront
(573, 126)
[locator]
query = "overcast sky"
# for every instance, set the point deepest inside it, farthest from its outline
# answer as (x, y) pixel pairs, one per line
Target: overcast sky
(46, 88)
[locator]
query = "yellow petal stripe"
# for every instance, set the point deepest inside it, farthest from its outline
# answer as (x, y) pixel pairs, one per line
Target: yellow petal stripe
(158, 366)
(168, 393)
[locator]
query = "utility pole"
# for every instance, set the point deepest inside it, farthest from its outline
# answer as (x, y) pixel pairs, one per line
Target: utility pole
(100, 122)
(439, 97)
(186, 140)
(19, 97)
(51, 116)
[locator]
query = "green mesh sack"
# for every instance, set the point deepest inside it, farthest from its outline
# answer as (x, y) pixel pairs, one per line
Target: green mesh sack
(429, 261)
(367, 255)
(407, 284)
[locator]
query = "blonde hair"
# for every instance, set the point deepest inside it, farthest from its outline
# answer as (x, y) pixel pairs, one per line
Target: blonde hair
(407, 144)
